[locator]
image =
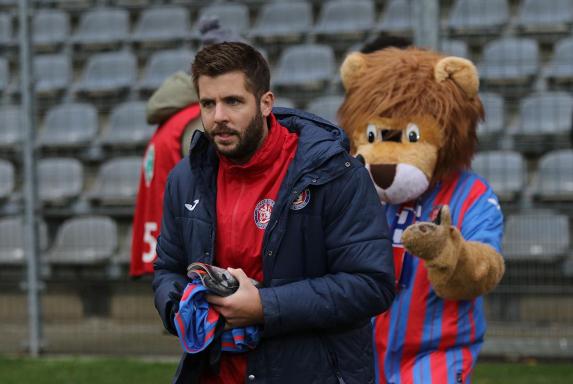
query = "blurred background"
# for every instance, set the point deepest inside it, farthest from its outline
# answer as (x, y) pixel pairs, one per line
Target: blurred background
(73, 179)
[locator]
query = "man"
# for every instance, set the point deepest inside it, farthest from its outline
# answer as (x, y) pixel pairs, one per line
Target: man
(274, 196)
(174, 108)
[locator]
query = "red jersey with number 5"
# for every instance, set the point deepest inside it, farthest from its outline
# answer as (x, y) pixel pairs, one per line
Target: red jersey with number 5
(162, 154)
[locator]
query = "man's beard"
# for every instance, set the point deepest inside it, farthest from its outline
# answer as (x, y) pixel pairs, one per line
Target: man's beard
(248, 143)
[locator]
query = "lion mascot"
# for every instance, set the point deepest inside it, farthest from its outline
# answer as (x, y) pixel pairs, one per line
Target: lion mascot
(411, 115)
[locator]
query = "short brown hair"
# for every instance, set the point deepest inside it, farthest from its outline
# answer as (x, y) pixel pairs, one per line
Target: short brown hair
(218, 59)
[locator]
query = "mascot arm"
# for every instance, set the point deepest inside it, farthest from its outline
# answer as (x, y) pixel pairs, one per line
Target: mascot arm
(457, 269)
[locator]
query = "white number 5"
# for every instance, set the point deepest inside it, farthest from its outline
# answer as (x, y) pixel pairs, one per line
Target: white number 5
(150, 240)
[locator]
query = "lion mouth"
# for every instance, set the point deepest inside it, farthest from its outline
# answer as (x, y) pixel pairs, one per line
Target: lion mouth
(398, 183)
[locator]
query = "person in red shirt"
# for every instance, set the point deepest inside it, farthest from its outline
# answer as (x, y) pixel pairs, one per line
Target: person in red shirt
(274, 195)
(174, 108)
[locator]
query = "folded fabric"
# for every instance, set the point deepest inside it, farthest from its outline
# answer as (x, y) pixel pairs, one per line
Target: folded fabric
(196, 324)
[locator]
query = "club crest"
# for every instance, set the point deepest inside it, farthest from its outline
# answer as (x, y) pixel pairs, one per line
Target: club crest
(148, 164)
(301, 201)
(262, 214)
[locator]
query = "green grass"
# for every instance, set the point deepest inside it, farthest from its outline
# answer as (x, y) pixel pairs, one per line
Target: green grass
(49, 370)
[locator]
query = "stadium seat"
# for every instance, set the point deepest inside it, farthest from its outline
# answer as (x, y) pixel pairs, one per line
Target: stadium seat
(492, 128)
(544, 121)
(108, 73)
(305, 66)
(457, 48)
(508, 61)
(52, 73)
(536, 236)
(6, 38)
(84, 240)
(282, 22)
(560, 68)
(12, 240)
(10, 131)
(397, 17)
(163, 64)
(117, 182)
(344, 19)
(504, 170)
(50, 28)
(128, 126)
(326, 107)
(469, 17)
(233, 16)
(162, 25)
(554, 180)
(60, 180)
(70, 125)
(102, 27)
(545, 16)
(4, 74)
(7, 179)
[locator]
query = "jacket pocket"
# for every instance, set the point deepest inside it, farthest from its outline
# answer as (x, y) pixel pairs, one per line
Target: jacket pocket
(196, 239)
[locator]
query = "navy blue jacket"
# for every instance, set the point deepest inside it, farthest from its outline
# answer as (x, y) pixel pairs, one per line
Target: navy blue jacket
(328, 267)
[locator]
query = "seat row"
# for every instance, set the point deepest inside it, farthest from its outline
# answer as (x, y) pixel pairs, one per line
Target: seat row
(533, 236)
(287, 20)
(62, 181)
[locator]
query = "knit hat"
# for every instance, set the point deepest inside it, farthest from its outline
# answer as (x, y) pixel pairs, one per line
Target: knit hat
(212, 32)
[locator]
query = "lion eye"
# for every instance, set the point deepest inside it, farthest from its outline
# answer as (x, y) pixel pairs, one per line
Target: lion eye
(413, 133)
(371, 133)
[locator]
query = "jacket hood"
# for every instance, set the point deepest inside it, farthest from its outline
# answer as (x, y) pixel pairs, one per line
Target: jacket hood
(175, 93)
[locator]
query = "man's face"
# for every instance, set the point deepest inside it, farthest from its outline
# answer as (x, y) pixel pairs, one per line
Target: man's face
(232, 117)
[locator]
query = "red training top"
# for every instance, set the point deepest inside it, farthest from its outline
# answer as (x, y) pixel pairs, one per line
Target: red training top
(246, 194)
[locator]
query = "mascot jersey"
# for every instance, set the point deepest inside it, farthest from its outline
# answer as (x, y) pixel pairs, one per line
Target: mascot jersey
(162, 154)
(423, 338)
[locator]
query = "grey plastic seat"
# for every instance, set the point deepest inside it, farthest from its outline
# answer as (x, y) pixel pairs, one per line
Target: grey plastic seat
(60, 180)
(555, 176)
(545, 16)
(342, 18)
(70, 125)
(326, 107)
(484, 16)
(283, 102)
(4, 74)
(560, 68)
(494, 107)
(457, 48)
(117, 181)
(536, 236)
(286, 22)
(128, 126)
(163, 64)
(52, 72)
(509, 60)
(85, 240)
(108, 73)
(6, 31)
(12, 240)
(103, 26)
(233, 16)
(397, 17)
(164, 24)
(546, 113)
(307, 66)
(7, 179)
(504, 170)
(10, 132)
(50, 27)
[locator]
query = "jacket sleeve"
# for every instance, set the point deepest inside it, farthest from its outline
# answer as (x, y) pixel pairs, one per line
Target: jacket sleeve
(170, 263)
(360, 282)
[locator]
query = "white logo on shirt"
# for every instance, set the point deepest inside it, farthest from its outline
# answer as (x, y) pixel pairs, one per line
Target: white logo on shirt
(191, 207)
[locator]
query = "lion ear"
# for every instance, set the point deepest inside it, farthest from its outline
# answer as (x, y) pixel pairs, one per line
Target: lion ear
(352, 68)
(461, 71)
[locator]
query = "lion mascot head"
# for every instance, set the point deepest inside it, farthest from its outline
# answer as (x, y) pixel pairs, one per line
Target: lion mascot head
(412, 115)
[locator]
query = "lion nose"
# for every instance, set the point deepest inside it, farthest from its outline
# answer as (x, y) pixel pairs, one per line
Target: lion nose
(383, 174)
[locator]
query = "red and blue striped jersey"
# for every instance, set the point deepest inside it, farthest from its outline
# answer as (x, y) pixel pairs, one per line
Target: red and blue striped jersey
(423, 338)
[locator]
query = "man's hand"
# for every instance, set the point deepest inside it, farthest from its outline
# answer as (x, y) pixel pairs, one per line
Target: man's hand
(243, 307)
